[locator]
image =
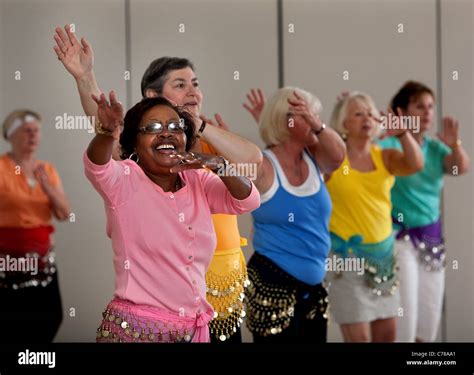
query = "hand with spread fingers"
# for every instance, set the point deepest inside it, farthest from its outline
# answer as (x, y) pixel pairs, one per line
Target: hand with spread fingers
(392, 131)
(450, 132)
(218, 123)
(77, 58)
(196, 160)
(256, 102)
(110, 115)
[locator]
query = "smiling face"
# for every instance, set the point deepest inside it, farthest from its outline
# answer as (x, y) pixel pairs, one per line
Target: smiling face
(422, 106)
(27, 138)
(182, 88)
(359, 122)
(154, 150)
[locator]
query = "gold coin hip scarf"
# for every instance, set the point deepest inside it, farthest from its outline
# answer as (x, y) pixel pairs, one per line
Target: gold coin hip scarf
(272, 297)
(226, 280)
(126, 322)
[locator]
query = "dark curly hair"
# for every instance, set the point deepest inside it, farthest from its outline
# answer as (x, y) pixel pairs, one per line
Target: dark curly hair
(134, 115)
(411, 90)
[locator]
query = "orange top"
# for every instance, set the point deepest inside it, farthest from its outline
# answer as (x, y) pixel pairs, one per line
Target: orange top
(23, 206)
(225, 226)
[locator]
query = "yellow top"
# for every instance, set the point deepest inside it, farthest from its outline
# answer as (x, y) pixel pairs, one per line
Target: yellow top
(226, 226)
(361, 200)
(226, 276)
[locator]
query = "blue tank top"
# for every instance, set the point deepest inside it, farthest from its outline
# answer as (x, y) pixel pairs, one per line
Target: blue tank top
(291, 226)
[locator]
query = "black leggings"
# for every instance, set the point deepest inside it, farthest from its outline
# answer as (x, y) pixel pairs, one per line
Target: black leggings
(30, 315)
(308, 322)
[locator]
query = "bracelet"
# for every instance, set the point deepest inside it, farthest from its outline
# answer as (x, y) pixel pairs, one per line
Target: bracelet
(100, 130)
(320, 130)
(456, 144)
(201, 129)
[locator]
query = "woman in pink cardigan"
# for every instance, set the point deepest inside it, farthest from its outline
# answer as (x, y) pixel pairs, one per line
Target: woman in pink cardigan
(158, 201)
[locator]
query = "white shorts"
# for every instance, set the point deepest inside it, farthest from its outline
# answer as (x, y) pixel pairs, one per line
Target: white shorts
(421, 296)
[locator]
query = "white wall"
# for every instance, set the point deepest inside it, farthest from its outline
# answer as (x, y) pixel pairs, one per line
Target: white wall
(222, 37)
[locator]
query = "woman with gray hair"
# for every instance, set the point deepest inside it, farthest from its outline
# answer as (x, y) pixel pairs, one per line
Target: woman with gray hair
(363, 293)
(32, 194)
(286, 299)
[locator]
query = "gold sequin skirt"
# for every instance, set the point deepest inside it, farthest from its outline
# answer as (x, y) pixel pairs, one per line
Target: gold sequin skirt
(273, 295)
(124, 321)
(226, 280)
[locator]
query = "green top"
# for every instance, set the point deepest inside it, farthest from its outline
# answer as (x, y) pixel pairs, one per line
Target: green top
(416, 198)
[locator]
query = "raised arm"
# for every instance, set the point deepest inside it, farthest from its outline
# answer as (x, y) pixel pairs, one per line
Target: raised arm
(256, 103)
(329, 150)
(78, 59)
(232, 146)
(408, 161)
(457, 162)
(238, 186)
(110, 117)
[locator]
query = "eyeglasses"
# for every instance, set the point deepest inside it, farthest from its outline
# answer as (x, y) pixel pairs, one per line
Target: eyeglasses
(157, 127)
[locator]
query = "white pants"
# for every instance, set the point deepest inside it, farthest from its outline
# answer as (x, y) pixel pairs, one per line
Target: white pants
(421, 296)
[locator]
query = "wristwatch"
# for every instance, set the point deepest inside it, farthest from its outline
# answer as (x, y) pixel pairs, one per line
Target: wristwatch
(320, 130)
(201, 129)
(456, 144)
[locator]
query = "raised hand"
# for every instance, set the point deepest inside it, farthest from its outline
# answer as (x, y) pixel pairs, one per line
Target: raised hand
(343, 95)
(392, 131)
(218, 123)
(109, 115)
(450, 133)
(195, 160)
(42, 177)
(77, 58)
(256, 102)
(299, 107)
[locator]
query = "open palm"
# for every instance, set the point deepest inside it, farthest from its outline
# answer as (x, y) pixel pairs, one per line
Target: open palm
(77, 58)
(450, 132)
(110, 114)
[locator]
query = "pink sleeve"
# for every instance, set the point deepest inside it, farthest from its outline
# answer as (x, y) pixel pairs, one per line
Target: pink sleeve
(221, 200)
(107, 179)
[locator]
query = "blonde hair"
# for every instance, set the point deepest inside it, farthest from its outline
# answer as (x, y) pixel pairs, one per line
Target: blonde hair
(273, 123)
(17, 114)
(339, 112)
